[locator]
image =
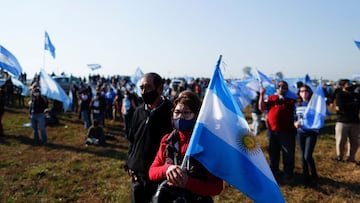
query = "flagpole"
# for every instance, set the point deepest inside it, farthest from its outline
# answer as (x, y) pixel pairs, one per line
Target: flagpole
(44, 53)
(186, 159)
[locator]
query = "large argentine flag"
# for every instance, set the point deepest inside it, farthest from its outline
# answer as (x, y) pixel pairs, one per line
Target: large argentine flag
(9, 63)
(221, 141)
(315, 112)
(51, 89)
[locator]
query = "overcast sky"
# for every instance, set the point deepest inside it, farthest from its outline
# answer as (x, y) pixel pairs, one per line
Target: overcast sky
(185, 38)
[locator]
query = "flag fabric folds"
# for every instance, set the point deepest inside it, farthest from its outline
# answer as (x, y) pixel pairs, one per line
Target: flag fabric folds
(48, 45)
(94, 66)
(357, 43)
(264, 80)
(17, 83)
(241, 93)
(9, 63)
(51, 89)
(316, 110)
(135, 79)
(223, 143)
(308, 82)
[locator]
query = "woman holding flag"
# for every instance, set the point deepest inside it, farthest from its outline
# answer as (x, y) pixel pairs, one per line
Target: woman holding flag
(193, 183)
(307, 137)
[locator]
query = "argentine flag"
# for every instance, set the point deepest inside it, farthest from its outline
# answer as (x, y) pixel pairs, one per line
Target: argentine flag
(51, 89)
(48, 45)
(222, 142)
(315, 112)
(9, 63)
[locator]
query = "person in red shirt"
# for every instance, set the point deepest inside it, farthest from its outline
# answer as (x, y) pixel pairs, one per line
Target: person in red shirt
(281, 129)
(166, 165)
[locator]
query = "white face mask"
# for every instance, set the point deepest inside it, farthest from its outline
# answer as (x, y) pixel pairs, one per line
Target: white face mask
(84, 97)
(36, 94)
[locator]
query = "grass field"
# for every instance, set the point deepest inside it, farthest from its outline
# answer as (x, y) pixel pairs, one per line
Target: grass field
(65, 170)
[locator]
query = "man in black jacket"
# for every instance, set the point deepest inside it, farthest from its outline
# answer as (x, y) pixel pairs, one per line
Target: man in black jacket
(347, 125)
(151, 121)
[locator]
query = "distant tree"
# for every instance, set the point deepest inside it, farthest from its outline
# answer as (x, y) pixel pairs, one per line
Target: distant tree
(247, 71)
(279, 75)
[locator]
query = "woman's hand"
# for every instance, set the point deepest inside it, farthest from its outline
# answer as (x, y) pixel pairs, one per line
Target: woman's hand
(297, 124)
(176, 177)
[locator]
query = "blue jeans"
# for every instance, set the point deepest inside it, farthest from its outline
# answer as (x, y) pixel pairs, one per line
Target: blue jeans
(38, 122)
(282, 142)
(307, 141)
(85, 115)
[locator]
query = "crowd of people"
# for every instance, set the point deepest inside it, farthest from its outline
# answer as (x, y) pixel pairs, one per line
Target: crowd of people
(159, 118)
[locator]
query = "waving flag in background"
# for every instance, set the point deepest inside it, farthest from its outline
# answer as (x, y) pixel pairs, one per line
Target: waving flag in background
(221, 141)
(357, 43)
(48, 45)
(135, 79)
(241, 93)
(17, 83)
(9, 63)
(315, 112)
(94, 66)
(51, 89)
(264, 80)
(308, 82)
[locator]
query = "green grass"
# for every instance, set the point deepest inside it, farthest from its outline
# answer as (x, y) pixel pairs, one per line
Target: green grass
(65, 170)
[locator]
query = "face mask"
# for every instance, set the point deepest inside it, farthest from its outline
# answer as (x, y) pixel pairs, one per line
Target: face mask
(349, 88)
(183, 124)
(84, 97)
(149, 97)
(281, 91)
(36, 94)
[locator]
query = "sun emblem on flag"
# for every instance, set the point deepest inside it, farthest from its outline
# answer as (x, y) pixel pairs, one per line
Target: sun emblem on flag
(248, 144)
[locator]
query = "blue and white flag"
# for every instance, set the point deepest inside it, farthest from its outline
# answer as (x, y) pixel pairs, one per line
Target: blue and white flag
(315, 112)
(357, 43)
(241, 93)
(223, 144)
(9, 63)
(51, 89)
(135, 79)
(264, 80)
(308, 82)
(94, 66)
(17, 83)
(48, 45)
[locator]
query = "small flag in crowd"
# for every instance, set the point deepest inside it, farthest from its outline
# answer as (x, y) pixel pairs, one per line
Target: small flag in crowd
(9, 63)
(357, 43)
(48, 45)
(264, 80)
(51, 89)
(308, 82)
(221, 141)
(315, 112)
(94, 66)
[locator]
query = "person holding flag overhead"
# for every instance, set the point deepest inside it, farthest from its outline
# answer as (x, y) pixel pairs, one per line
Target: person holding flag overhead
(194, 181)
(281, 129)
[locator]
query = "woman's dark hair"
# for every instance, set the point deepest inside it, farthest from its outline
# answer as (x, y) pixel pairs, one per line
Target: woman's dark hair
(189, 99)
(343, 82)
(299, 99)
